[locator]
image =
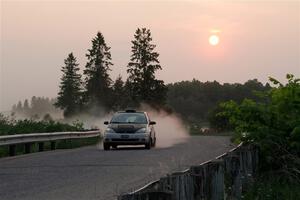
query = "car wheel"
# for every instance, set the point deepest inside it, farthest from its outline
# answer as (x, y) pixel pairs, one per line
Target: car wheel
(148, 145)
(154, 143)
(106, 146)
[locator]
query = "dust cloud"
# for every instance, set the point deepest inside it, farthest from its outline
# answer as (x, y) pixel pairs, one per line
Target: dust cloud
(169, 127)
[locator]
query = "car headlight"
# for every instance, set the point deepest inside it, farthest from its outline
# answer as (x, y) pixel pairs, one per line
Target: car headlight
(109, 130)
(141, 130)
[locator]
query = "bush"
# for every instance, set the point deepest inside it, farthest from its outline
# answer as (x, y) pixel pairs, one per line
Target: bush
(273, 125)
(10, 126)
(266, 188)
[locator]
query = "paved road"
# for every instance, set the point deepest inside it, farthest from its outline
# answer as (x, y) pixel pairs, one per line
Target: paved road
(93, 174)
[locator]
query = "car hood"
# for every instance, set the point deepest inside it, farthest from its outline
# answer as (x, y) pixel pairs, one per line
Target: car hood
(126, 128)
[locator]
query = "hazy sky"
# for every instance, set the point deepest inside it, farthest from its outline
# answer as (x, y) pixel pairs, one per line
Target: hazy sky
(257, 39)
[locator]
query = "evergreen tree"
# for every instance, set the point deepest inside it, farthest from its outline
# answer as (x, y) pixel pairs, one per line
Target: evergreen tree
(97, 80)
(19, 108)
(14, 108)
(33, 102)
(120, 94)
(69, 96)
(26, 108)
(143, 85)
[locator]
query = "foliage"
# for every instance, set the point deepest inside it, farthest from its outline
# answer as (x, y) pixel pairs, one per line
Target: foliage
(97, 80)
(266, 188)
(218, 121)
(120, 95)
(11, 126)
(69, 96)
(142, 84)
(274, 125)
(194, 100)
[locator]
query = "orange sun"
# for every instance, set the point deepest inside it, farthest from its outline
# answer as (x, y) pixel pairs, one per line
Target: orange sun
(214, 40)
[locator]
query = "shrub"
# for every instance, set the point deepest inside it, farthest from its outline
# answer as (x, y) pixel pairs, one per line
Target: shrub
(10, 126)
(274, 125)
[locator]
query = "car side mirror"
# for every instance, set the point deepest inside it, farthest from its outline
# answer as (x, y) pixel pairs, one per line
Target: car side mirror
(106, 122)
(152, 123)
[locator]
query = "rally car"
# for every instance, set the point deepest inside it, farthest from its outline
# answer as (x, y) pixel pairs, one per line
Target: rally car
(129, 127)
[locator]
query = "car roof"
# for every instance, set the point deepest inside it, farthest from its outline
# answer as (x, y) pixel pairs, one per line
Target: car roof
(131, 112)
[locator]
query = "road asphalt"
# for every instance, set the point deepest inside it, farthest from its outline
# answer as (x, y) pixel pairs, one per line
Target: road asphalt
(90, 173)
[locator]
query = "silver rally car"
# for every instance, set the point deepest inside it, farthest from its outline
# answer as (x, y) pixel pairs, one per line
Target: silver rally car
(129, 128)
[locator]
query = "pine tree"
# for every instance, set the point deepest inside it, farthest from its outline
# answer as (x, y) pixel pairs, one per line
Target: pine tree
(14, 108)
(144, 87)
(69, 96)
(121, 97)
(97, 81)
(19, 108)
(26, 108)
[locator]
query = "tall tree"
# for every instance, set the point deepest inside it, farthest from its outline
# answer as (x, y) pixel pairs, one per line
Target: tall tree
(144, 87)
(69, 96)
(19, 107)
(26, 108)
(97, 80)
(121, 97)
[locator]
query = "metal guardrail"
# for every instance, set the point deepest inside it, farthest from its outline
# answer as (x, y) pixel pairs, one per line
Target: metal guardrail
(43, 137)
(40, 138)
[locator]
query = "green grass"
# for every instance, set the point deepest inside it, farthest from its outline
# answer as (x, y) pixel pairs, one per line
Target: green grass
(60, 144)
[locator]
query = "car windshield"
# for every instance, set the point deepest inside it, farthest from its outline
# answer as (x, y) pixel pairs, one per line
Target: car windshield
(135, 118)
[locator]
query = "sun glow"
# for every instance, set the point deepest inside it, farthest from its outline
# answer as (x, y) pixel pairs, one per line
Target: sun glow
(214, 40)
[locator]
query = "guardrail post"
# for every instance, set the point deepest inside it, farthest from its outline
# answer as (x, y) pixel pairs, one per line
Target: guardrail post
(53, 145)
(233, 185)
(217, 179)
(27, 147)
(41, 146)
(12, 150)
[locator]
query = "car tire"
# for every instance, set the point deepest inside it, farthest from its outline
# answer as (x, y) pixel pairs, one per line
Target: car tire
(106, 147)
(148, 145)
(153, 143)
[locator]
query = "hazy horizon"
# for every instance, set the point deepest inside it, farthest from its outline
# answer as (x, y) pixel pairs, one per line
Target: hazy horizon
(257, 40)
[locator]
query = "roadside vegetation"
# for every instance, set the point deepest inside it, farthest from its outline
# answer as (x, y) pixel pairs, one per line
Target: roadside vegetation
(273, 124)
(9, 126)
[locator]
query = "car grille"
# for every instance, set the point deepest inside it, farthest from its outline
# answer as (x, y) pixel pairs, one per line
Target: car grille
(127, 140)
(125, 129)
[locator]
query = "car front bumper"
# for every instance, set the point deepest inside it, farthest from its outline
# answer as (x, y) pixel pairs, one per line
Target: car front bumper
(126, 139)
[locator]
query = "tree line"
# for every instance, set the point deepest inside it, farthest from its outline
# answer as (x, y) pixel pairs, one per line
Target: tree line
(36, 108)
(194, 101)
(95, 89)
(197, 101)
